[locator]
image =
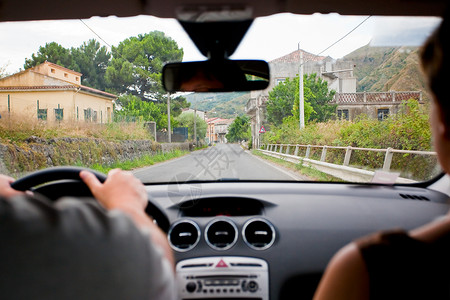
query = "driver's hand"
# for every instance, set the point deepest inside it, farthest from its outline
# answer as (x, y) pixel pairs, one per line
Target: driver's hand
(121, 190)
(125, 192)
(5, 187)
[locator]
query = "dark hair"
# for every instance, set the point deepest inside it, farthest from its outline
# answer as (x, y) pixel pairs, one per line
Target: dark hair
(435, 65)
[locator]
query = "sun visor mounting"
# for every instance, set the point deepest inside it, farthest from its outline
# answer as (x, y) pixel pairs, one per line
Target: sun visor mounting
(216, 40)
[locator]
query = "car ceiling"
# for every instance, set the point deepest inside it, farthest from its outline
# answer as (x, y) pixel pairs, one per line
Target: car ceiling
(13, 10)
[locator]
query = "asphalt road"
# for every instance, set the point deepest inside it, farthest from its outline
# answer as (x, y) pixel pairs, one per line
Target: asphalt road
(223, 161)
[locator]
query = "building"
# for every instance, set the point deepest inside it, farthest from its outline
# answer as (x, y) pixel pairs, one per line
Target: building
(200, 113)
(338, 74)
(376, 105)
(50, 92)
(217, 129)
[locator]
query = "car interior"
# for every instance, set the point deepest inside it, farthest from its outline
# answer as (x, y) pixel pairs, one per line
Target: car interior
(249, 239)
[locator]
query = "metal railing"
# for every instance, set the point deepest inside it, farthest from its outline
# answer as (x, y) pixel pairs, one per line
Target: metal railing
(376, 97)
(389, 152)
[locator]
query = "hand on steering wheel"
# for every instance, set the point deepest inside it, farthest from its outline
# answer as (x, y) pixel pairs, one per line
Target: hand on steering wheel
(57, 182)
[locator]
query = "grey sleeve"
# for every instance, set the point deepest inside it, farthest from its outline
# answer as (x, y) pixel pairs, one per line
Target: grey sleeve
(162, 283)
(74, 249)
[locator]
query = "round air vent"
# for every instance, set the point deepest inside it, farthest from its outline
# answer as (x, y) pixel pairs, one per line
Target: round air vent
(258, 234)
(184, 235)
(221, 234)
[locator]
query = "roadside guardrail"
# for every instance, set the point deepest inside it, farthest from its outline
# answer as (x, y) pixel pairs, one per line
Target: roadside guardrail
(344, 171)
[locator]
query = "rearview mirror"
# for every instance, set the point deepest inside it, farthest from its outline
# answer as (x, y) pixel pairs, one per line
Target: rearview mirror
(216, 76)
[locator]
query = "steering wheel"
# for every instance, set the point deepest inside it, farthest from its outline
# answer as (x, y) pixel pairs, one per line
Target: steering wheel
(57, 182)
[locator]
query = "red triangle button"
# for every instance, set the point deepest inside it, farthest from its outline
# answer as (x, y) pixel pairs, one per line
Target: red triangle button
(221, 264)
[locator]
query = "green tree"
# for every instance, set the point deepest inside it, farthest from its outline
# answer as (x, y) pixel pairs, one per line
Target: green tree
(91, 60)
(3, 72)
(176, 106)
(319, 97)
(137, 64)
(187, 120)
(239, 130)
(132, 108)
(283, 102)
(52, 52)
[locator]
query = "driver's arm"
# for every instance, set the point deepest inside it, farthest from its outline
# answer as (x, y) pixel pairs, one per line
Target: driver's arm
(124, 192)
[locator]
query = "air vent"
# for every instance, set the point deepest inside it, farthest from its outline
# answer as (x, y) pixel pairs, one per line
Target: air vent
(184, 235)
(258, 234)
(414, 197)
(221, 234)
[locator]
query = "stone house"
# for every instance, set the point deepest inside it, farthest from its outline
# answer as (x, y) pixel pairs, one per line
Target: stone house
(376, 105)
(217, 129)
(200, 113)
(51, 93)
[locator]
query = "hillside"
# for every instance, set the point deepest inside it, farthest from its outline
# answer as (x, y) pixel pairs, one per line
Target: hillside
(223, 105)
(387, 68)
(377, 69)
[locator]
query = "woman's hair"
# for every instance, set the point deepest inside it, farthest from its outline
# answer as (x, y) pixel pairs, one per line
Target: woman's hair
(436, 67)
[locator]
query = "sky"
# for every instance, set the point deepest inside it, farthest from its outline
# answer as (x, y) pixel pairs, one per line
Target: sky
(268, 37)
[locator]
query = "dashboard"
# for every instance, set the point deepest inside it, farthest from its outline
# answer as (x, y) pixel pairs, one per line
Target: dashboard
(272, 240)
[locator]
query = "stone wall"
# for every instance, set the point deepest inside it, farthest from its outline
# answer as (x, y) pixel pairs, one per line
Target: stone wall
(37, 153)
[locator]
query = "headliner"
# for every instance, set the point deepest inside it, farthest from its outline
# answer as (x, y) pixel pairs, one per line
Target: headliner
(22, 10)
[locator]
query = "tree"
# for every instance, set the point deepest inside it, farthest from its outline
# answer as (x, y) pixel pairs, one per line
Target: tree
(319, 97)
(91, 60)
(176, 106)
(239, 130)
(52, 52)
(134, 109)
(187, 120)
(137, 64)
(3, 71)
(283, 102)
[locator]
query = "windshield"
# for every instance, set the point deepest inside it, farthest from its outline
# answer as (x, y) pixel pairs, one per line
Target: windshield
(346, 101)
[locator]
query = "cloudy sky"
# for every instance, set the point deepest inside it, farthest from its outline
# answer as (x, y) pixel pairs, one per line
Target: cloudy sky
(268, 38)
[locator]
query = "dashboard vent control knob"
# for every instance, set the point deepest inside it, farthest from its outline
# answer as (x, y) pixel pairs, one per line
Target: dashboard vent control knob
(184, 235)
(221, 234)
(258, 233)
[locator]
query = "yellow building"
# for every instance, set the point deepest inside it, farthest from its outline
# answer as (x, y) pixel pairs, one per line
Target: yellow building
(53, 93)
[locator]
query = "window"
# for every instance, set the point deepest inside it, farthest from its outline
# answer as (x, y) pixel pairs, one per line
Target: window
(280, 80)
(342, 114)
(383, 113)
(52, 71)
(59, 113)
(66, 75)
(88, 114)
(42, 114)
(94, 116)
(77, 78)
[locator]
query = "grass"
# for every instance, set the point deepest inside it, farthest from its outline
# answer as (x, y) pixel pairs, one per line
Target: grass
(310, 172)
(144, 161)
(18, 129)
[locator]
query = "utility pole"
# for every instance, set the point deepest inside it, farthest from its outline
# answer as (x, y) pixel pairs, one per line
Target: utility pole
(195, 125)
(168, 119)
(195, 120)
(301, 97)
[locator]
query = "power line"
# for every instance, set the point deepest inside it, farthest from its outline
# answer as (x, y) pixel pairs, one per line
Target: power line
(139, 70)
(96, 33)
(344, 36)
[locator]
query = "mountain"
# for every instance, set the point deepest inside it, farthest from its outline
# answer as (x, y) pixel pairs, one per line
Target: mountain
(380, 69)
(223, 105)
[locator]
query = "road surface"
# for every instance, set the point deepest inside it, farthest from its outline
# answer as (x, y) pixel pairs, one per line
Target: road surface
(223, 161)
